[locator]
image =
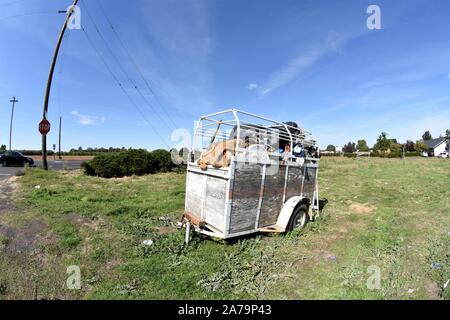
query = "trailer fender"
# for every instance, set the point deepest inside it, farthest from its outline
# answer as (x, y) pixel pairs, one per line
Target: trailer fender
(287, 210)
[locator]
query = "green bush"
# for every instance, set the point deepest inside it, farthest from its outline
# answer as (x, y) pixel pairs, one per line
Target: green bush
(412, 154)
(127, 163)
(350, 155)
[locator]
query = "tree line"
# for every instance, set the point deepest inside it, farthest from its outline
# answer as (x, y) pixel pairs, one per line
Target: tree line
(384, 145)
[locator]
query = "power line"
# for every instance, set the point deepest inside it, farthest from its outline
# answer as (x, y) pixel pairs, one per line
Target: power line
(60, 74)
(133, 61)
(125, 72)
(120, 85)
(26, 14)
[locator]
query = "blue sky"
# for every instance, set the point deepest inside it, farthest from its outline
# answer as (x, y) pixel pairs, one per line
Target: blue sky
(313, 62)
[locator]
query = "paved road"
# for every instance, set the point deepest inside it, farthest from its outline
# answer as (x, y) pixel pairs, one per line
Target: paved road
(6, 172)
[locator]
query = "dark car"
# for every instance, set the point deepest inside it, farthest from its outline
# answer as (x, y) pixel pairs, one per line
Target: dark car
(14, 158)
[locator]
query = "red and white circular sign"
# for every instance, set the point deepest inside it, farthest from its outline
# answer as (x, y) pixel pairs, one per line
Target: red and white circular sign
(44, 127)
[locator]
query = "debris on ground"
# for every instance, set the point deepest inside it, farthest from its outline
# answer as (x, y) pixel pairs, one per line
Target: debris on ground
(435, 265)
(446, 284)
(148, 242)
(37, 187)
(166, 220)
(410, 290)
(128, 288)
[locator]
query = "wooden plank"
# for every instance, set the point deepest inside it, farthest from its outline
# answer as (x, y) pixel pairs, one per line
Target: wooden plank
(194, 196)
(194, 219)
(215, 202)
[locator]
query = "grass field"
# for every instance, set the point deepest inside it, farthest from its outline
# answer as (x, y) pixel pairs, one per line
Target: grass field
(387, 215)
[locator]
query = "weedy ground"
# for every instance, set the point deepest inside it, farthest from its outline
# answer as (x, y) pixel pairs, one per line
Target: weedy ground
(385, 217)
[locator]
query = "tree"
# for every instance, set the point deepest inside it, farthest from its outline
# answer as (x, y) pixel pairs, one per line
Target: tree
(349, 147)
(410, 146)
(427, 136)
(2, 148)
(421, 146)
(447, 133)
(383, 143)
(362, 146)
(395, 149)
(331, 148)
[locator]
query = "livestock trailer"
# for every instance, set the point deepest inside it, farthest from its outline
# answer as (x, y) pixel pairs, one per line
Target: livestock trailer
(249, 174)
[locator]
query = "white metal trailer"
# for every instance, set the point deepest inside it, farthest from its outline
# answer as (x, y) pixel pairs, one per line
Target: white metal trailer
(263, 177)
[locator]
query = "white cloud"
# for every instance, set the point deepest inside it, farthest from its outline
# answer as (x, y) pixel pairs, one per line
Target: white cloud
(87, 120)
(300, 64)
(252, 86)
(294, 68)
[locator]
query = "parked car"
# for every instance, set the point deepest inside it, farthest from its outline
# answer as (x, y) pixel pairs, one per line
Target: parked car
(15, 158)
(425, 154)
(443, 155)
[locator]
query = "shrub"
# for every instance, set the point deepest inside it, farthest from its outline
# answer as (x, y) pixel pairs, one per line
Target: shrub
(412, 154)
(127, 163)
(350, 155)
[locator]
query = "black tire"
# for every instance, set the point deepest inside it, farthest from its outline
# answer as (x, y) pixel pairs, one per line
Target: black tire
(299, 218)
(4, 164)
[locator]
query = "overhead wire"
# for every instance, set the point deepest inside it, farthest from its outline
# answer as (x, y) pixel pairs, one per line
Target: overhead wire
(133, 84)
(130, 56)
(121, 86)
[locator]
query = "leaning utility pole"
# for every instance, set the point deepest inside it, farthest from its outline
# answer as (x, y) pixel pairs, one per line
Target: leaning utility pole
(13, 101)
(59, 149)
(49, 83)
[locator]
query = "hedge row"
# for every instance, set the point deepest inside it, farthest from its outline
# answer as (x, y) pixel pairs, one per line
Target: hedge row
(376, 154)
(127, 163)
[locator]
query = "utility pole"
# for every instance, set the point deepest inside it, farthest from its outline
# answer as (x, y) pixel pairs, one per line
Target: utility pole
(13, 101)
(49, 82)
(59, 149)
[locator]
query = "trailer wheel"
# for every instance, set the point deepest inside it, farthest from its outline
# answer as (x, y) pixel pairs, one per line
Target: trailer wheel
(299, 218)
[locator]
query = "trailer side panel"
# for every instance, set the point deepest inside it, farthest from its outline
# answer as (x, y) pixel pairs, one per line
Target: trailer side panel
(246, 191)
(272, 196)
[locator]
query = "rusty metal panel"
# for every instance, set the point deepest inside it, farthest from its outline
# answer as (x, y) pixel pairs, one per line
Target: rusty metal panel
(295, 179)
(309, 183)
(246, 191)
(272, 196)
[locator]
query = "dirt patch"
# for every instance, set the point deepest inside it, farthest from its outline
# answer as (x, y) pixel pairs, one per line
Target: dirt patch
(324, 254)
(361, 208)
(432, 290)
(81, 221)
(165, 230)
(7, 189)
(23, 240)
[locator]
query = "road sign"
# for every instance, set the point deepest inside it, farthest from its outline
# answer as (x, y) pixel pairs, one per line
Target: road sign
(44, 127)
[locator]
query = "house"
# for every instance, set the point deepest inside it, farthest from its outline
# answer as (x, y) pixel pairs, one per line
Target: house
(437, 146)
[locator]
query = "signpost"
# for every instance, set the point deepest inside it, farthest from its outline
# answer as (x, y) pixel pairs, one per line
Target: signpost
(44, 127)
(49, 84)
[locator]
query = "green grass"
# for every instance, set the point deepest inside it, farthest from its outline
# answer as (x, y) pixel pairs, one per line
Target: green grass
(380, 212)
